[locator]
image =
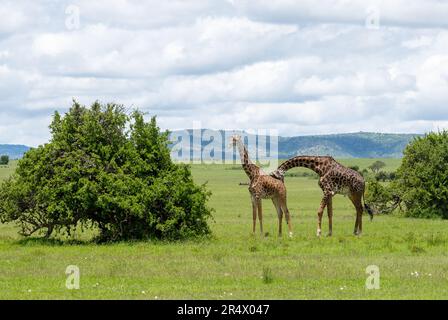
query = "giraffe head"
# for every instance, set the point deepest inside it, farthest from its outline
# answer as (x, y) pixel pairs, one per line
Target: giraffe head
(234, 140)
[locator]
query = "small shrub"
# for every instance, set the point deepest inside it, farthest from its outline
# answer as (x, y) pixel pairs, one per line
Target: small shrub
(377, 166)
(233, 168)
(385, 176)
(310, 174)
(410, 237)
(218, 258)
(253, 249)
(267, 275)
(4, 160)
(416, 249)
(435, 240)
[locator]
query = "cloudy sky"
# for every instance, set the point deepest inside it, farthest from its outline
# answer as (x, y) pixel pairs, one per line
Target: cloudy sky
(294, 66)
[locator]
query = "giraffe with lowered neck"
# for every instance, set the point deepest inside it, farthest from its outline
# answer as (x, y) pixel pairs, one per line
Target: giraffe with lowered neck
(263, 186)
(334, 178)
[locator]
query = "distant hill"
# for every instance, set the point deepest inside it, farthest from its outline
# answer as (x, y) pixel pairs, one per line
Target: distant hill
(14, 151)
(347, 145)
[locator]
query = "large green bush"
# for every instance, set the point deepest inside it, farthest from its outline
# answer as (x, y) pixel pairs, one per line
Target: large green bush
(107, 169)
(422, 179)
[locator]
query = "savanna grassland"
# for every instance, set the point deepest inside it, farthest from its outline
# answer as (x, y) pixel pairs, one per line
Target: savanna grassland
(410, 253)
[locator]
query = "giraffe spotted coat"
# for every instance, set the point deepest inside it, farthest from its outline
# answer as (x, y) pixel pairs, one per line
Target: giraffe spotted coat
(263, 186)
(334, 178)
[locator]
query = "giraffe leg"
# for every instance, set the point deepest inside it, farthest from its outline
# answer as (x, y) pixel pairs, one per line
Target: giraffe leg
(320, 212)
(279, 215)
(284, 208)
(330, 216)
(260, 215)
(359, 211)
(254, 215)
(280, 221)
(356, 200)
(355, 231)
(352, 199)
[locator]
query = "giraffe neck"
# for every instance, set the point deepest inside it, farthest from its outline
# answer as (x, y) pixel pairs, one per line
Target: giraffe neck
(317, 164)
(251, 169)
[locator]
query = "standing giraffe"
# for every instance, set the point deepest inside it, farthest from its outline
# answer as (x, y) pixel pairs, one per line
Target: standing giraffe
(263, 186)
(334, 178)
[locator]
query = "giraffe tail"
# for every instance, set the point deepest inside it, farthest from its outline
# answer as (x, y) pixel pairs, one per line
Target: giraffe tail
(367, 207)
(369, 210)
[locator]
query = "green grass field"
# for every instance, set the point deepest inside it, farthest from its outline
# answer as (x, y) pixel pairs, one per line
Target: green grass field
(235, 264)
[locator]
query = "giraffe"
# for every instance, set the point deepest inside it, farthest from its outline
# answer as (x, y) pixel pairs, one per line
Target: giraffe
(263, 186)
(334, 178)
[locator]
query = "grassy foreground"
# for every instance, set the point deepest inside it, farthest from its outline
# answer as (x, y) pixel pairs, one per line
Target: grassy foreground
(411, 255)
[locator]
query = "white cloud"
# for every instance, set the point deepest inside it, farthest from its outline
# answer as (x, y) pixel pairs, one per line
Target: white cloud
(12, 18)
(409, 13)
(299, 67)
(419, 42)
(359, 84)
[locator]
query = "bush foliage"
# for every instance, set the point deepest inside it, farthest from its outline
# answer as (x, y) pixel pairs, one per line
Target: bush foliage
(105, 168)
(4, 160)
(381, 198)
(422, 179)
(377, 166)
